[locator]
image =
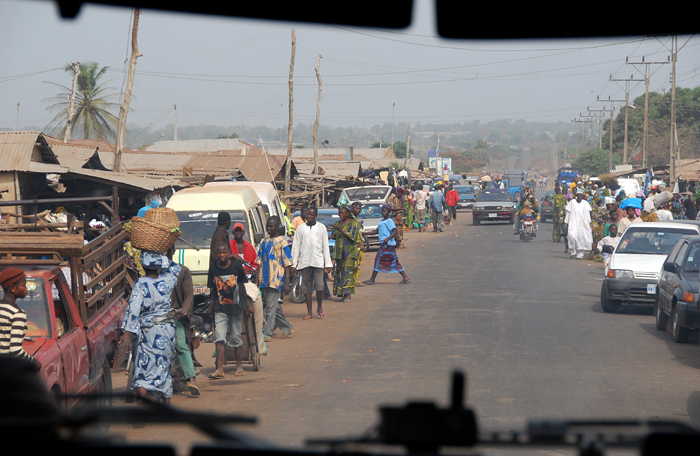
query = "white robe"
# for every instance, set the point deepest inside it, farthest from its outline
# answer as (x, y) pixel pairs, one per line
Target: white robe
(578, 218)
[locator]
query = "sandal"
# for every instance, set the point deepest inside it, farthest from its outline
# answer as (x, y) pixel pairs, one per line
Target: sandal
(216, 376)
(322, 316)
(307, 317)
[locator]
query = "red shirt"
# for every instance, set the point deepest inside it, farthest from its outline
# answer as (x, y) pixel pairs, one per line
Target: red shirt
(249, 254)
(452, 197)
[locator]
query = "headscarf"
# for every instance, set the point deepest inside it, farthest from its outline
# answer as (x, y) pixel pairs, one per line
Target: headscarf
(356, 204)
(11, 276)
(386, 206)
(153, 260)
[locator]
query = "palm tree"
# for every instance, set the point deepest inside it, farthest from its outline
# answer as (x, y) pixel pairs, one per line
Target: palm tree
(92, 104)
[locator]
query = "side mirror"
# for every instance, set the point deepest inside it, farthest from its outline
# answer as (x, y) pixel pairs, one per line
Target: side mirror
(608, 249)
(671, 267)
(258, 237)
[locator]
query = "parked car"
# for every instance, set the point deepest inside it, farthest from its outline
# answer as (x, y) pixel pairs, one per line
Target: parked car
(372, 198)
(467, 196)
(632, 273)
(493, 205)
(547, 206)
(677, 294)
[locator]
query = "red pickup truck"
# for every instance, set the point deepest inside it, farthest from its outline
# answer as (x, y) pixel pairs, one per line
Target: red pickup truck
(74, 307)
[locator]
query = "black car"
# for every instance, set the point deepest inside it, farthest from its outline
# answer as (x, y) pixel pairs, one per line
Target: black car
(547, 206)
(677, 292)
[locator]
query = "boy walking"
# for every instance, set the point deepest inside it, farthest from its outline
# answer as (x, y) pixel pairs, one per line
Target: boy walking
(274, 262)
(229, 300)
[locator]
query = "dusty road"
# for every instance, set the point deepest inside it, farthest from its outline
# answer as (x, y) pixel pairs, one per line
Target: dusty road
(523, 320)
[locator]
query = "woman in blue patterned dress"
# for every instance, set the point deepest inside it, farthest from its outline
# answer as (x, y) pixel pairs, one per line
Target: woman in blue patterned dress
(148, 318)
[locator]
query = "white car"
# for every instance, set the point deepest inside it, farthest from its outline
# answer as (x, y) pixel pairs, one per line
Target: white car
(632, 274)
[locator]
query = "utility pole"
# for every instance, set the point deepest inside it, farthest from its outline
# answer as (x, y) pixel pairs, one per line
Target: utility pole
(612, 120)
(290, 128)
(599, 116)
(393, 104)
(627, 106)
(318, 114)
(17, 129)
(408, 145)
(121, 129)
(647, 74)
(71, 102)
(175, 136)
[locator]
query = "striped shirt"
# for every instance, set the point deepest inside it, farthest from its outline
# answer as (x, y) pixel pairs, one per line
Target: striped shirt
(13, 327)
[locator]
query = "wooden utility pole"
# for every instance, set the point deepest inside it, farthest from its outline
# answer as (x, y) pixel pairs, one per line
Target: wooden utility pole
(675, 152)
(612, 120)
(627, 106)
(175, 136)
(408, 145)
(647, 74)
(121, 129)
(318, 114)
(290, 129)
(71, 102)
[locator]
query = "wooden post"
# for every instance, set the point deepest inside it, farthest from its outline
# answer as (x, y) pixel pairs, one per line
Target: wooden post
(290, 130)
(408, 143)
(318, 114)
(71, 103)
(121, 129)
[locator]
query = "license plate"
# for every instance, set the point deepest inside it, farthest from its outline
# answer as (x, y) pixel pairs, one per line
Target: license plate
(651, 289)
(527, 223)
(201, 290)
(493, 215)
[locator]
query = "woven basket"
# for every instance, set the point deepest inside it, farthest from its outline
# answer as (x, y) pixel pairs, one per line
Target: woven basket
(154, 237)
(162, 216)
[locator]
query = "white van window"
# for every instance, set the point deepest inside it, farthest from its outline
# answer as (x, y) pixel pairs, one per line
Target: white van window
(198, 227)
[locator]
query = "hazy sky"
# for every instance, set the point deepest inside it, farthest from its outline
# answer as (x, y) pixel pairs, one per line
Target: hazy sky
(229, 72)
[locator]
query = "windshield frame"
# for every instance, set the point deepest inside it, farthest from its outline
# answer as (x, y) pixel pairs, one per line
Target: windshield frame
(485, 197)
(186, 218)
(627, 239)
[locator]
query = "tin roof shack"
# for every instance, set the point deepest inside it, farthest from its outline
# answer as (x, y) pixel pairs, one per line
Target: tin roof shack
(25, 160)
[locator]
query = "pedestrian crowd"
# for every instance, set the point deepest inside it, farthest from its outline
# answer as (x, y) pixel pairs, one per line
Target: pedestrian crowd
(587, 217)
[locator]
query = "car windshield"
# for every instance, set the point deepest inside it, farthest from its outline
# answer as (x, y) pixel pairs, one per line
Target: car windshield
(371, 211)
(487, 196)
(465, 190)
(367, 193)
(199, 226)
(650, 241)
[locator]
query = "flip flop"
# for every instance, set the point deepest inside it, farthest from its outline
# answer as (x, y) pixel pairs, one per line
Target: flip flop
(322, 316)
(307, 317)
(216, 376)
(403, 282)
(367, 282)
(193, 389)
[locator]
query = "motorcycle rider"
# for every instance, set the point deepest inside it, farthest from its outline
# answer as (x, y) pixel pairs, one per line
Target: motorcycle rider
(527, 205)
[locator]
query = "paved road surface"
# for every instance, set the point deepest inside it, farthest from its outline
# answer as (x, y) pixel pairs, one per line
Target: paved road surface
(522, 319)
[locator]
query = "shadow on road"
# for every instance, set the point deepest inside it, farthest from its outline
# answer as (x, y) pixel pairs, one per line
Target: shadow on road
(626, 309)
(686, 354)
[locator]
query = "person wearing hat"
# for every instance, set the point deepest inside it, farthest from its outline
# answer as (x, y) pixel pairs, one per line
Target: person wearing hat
(578, 220)
(13, 320)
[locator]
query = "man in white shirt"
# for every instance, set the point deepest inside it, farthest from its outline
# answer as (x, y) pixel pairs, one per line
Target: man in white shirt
(421, 198)
(310, 255)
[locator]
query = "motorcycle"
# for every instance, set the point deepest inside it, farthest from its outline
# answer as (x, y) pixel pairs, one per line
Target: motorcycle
(527, 227)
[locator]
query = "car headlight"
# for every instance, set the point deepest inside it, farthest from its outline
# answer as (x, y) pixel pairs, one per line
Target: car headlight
(620, 274)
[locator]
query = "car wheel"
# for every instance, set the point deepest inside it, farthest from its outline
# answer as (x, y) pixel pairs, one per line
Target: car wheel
(661, 317)
(608, 305)
(680, 334)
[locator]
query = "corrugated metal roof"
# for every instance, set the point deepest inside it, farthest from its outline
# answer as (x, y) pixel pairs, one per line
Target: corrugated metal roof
(201, 145)
(19, 148)
(74, 156)
(337, 153)
(329, 168)
(122, 179)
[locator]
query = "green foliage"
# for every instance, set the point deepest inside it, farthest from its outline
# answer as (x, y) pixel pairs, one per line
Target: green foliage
(595, 161)
(91, 112)
(400, 149)
(231, 136)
